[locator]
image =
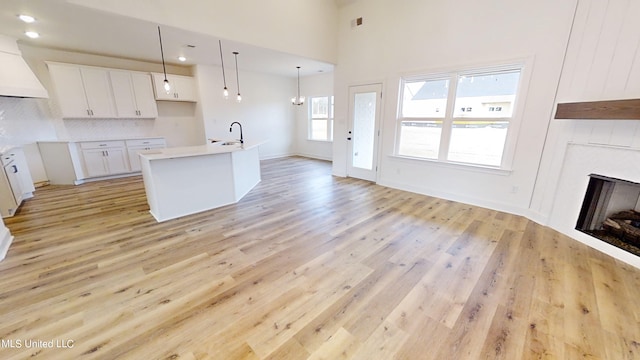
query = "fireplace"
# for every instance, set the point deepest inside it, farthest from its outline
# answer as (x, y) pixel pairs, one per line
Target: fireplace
(611, 212)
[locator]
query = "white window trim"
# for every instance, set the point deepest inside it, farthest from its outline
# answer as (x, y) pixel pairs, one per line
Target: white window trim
(524, 65)
(330, 119)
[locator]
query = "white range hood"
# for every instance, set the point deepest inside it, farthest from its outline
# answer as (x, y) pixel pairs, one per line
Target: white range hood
(16, 77)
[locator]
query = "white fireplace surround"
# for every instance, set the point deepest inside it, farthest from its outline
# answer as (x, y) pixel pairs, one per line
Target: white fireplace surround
(580, 161)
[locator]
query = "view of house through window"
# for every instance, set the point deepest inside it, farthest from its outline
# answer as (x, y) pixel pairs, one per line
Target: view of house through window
(458, 117)
(321, 118)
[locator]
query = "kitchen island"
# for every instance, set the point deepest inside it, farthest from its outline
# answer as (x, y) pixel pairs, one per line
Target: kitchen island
(186, 180)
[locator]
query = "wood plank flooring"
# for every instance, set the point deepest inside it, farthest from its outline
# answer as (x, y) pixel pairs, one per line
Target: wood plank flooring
(306, 266)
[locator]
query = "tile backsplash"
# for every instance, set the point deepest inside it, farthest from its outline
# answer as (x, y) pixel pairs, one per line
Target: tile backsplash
(27, 120)
(97, 129)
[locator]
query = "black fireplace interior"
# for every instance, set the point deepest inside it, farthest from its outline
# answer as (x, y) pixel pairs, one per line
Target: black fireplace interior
(611, 212)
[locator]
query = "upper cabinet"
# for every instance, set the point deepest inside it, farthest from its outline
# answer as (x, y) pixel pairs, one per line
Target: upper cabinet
(133, 94)
(95, 92)
(82, 92)
(183, 88)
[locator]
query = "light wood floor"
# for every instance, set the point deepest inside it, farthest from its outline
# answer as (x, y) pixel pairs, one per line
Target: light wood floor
(306, 266)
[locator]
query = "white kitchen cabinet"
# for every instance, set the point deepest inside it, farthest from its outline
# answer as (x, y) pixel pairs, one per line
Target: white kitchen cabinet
(73, 163)
(94, 163)
(26, 181)
(10, 187)
(135, 146)
(104, 158)
(183, 88)
(133, 94)
(15, 181)
(82, 92)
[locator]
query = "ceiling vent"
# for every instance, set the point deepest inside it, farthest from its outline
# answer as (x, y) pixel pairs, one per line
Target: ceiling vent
(356, 22)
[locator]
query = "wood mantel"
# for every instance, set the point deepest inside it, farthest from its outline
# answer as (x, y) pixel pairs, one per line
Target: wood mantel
(600, 110)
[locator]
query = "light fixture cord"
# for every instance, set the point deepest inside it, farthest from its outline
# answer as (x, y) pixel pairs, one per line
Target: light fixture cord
(222, 61)
(164, 69)
(237, 78)
(298, 100)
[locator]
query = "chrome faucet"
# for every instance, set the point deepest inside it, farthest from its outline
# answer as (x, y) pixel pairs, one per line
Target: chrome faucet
(231, 129)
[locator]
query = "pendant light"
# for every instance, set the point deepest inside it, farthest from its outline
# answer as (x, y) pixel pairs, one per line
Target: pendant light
(167, 86)
(225, 91)
(238, 98)
(298, 100)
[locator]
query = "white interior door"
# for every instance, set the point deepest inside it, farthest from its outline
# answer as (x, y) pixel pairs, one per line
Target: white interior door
(363, 132)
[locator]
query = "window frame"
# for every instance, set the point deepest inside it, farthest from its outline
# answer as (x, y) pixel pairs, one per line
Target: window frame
(453, 75)
(329, 119)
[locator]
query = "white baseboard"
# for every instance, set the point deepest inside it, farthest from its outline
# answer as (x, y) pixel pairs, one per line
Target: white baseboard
(314, 156)
(498, 206)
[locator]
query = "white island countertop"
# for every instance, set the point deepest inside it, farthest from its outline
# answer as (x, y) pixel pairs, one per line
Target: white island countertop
(198, 150)
(186, 180)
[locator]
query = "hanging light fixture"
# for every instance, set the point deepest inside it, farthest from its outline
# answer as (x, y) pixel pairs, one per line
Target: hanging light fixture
(238, 98)
(225, 91)
(298, 100)
(167, 86)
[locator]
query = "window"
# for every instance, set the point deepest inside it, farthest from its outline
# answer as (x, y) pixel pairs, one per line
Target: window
(478, 109)
(321, 118)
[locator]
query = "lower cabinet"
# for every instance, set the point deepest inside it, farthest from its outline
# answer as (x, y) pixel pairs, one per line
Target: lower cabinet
(135, 146)
(77, 162)
(15, 181)
(99, 162)
(103, 158)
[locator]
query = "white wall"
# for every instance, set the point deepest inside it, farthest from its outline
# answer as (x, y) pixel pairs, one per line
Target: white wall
(602, 62)
(310, 86)
(306, 28)
(265, 111)
(413, 37)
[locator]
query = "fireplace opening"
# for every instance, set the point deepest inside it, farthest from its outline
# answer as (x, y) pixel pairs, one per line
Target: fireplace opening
(611, 212)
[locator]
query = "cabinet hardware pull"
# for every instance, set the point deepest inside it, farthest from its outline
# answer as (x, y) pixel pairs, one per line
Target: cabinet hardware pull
(88, 113)
(15, 169)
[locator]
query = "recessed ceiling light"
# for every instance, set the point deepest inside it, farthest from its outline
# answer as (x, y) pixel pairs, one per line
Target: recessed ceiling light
(32, 34)
(27, 18)
(182, 58)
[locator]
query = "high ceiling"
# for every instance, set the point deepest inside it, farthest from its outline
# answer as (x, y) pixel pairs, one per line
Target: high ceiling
(66, 26)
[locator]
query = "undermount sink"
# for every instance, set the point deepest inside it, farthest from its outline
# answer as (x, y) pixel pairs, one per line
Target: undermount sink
(230, 143)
